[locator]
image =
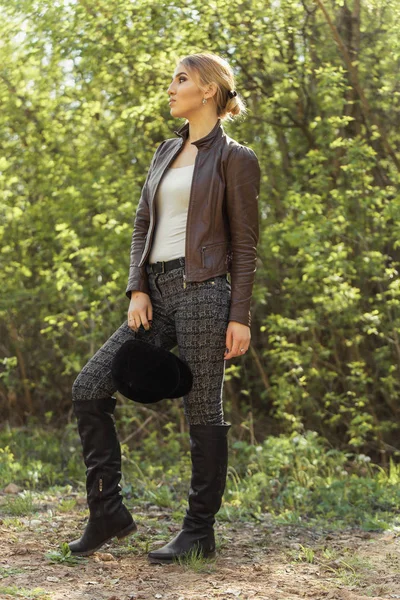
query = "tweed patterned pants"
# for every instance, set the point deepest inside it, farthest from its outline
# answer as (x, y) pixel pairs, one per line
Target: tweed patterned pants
(195, 319)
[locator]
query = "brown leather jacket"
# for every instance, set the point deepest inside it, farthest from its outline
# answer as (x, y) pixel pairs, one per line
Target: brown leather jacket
(222, 226)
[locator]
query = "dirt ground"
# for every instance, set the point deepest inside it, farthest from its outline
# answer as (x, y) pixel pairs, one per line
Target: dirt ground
(255, 561)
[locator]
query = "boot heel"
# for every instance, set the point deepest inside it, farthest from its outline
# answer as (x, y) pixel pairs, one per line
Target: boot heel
(128, 530)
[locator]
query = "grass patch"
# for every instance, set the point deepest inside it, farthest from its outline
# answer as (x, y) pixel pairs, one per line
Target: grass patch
(66, 505)
(7, 571)
(13, 591)
(14, 523)
(294, 479)
(194, 561)
(19, 505)
(64, 556)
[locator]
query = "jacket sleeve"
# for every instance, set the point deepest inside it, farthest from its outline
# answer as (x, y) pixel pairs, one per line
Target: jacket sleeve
(137, 279)
(242, 192)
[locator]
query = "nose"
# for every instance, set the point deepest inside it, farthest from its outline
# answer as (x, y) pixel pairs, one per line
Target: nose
(171, 91)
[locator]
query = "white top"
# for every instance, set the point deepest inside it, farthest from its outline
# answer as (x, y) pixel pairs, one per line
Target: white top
(171, 206)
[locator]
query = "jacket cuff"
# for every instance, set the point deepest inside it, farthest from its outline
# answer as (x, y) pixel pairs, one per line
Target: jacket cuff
(138, 281)
(241, 316)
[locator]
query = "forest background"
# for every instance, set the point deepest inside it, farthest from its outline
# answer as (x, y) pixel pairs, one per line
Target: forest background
(84, 105)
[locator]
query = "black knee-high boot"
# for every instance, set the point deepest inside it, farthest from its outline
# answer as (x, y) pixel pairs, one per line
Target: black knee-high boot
(209, 455)
(102, 455)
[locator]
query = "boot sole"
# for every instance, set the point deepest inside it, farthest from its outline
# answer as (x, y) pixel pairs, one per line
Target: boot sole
(170, 560)
(120, 535)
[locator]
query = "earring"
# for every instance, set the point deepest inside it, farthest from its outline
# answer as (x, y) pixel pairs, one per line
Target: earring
(204, 100)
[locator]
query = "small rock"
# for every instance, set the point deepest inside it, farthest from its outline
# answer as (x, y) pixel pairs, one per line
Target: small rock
(109, 565)
(11, 488)
(105, 556)
(35, 522)
(52, 579)
(19, 551)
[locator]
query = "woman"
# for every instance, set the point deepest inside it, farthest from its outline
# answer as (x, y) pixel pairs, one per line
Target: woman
(203, 186)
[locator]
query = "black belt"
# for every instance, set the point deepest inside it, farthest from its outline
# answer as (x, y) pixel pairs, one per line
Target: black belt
(163, 266)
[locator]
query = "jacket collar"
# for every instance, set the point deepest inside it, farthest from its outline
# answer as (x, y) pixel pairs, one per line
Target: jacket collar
(214, 135)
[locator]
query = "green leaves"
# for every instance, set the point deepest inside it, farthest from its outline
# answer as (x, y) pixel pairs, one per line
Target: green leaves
(83, 90)
(64, 556)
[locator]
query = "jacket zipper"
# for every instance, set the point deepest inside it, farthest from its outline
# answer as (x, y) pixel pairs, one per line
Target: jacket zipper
(187, 221)
(149, 238)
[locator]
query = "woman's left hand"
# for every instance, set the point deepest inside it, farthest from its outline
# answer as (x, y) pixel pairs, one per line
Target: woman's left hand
(237, 339)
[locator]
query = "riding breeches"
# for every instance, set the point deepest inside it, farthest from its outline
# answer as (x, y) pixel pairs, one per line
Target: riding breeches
(195, 319)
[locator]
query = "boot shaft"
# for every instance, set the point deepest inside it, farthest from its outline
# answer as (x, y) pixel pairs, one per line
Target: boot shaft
(101, 454)
(209, 455)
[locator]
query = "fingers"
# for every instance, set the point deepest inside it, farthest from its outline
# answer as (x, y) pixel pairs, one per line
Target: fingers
(229, 342)
(137, 318)
(140, 319)
(146, 323)
(132, 323)
(236, 348)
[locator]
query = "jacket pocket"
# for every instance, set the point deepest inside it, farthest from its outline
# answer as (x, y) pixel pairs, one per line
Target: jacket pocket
(213, 255)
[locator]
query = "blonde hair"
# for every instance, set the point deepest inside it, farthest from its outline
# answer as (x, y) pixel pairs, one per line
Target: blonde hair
(211, 68)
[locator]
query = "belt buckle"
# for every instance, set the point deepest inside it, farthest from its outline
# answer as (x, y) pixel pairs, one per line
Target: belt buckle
(162, 266)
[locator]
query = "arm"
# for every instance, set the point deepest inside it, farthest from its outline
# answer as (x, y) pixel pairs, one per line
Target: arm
(242, 192)
(137, 279)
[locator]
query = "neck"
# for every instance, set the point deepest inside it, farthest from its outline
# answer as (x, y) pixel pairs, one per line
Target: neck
(200, 128)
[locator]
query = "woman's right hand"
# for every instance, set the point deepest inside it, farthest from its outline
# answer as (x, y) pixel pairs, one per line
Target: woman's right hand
(140, 311)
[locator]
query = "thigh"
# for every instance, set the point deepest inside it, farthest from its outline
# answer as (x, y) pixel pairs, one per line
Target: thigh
(95, 381)
(201, 324)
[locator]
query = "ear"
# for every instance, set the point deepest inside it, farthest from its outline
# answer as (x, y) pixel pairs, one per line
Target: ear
(211, 90)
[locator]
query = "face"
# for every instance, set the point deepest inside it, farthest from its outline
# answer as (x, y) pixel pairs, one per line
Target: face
(184, 93)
